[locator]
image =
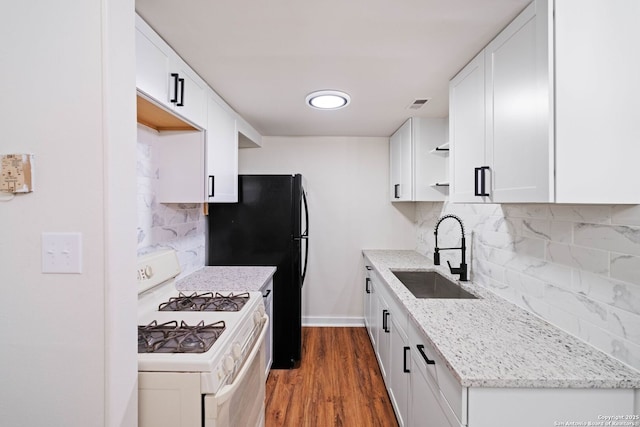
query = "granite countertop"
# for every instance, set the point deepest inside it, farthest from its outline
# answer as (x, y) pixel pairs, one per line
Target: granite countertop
(490, 342)
(226, 279)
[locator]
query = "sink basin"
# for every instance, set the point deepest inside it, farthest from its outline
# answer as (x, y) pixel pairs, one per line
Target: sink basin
(431, 284)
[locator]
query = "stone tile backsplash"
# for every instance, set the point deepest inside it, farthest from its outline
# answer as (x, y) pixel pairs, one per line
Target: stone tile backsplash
(179, 226)
(575, 266)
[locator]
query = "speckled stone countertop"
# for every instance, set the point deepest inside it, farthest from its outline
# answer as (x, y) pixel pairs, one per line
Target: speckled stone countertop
(490, 342)
(229, 279)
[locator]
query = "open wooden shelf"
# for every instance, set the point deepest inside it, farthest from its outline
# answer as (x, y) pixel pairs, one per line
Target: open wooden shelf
(155, 117)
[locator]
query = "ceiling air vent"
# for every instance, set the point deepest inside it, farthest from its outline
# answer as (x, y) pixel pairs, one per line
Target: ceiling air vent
(418, 103)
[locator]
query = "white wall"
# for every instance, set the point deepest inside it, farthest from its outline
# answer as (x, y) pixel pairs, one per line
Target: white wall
(347, 182)
(68, 97)
(576, 266)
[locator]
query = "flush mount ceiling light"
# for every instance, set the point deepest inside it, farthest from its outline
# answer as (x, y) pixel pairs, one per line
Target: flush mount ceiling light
(328, 99)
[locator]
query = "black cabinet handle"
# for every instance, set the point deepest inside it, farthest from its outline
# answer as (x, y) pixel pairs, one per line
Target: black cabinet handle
(267, 294)
(424, 356)
(396, 191)
(385, 313)
(211, 185)
(404, 362)
(175, 88)
(366, 285)
(480, 181)
(483, 176)
(181, 103)
(368, 267)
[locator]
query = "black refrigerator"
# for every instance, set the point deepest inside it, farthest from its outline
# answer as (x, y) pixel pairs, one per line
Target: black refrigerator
(269, 226)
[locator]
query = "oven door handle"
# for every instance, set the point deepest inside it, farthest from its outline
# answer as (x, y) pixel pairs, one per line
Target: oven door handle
(227, 391)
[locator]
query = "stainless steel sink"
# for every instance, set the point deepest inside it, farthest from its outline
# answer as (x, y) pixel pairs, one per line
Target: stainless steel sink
(431, 284)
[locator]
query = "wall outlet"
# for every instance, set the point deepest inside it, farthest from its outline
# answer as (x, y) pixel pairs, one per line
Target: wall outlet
(62, 252)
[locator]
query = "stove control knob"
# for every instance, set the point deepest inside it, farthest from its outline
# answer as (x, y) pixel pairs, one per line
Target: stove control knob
(228, 364)
(148, 271)
(236, 350)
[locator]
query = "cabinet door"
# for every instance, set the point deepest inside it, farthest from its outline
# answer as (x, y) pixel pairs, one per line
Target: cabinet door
(519, 109)
(466, 130)
(597, 57)
(368, 298)
(401, 164)
(384, 339)
(180, 156)
(374, 307)
(192, 99)
(372, 310)
(222, 154)
(399, 370)
(152, 67)
(425, 410)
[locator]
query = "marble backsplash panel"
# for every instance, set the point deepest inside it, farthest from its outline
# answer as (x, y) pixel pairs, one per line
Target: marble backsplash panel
(575, 266)
(179, 226)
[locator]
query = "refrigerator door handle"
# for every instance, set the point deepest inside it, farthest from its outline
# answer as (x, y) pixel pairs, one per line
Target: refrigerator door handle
(305, 233)
(305, 236)
(306, 259)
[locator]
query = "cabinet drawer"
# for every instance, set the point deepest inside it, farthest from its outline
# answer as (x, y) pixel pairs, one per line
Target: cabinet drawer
(453, 395)
(451, 389)
(396, 309)
(399, 314)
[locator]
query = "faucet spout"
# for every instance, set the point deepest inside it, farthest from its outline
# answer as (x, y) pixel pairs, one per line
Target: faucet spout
(462, 270)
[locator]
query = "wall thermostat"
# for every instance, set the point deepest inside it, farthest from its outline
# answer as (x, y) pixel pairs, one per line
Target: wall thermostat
(16, 173)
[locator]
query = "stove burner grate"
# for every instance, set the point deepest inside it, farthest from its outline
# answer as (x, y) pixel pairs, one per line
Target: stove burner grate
(205, 302)
(170, 337)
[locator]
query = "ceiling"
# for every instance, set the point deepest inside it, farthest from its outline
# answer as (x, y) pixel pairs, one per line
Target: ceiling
(264, 56)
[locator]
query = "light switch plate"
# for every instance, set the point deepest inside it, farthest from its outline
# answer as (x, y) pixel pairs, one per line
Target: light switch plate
(62, 252)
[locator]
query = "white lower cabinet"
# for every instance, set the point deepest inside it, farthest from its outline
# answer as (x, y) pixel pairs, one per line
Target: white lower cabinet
(370, 306)
(425, 407)
(267, 296)
(535, 407)
(425, 393)
(437, 399)
(399, 368)
(392, 348)
(383, 345)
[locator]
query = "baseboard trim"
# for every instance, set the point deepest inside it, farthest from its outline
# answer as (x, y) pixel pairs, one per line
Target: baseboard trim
(332, 321)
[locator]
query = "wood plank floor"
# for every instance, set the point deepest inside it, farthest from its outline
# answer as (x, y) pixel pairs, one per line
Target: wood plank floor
(338, 384)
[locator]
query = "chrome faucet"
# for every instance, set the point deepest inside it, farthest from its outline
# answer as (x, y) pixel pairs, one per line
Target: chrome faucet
(462, 270)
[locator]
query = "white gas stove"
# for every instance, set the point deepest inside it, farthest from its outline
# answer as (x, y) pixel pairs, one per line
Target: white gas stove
(212, 341)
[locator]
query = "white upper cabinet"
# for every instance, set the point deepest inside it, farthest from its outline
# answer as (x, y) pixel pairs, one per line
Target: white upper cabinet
(401, 164)
(152, 66)
(222, 154)
(466, 130)
(199, 134)
(597, 101)
(191, 96)
(418, 168)
(180, 157)
(560, 100)
(519, 149)
(165, 78)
